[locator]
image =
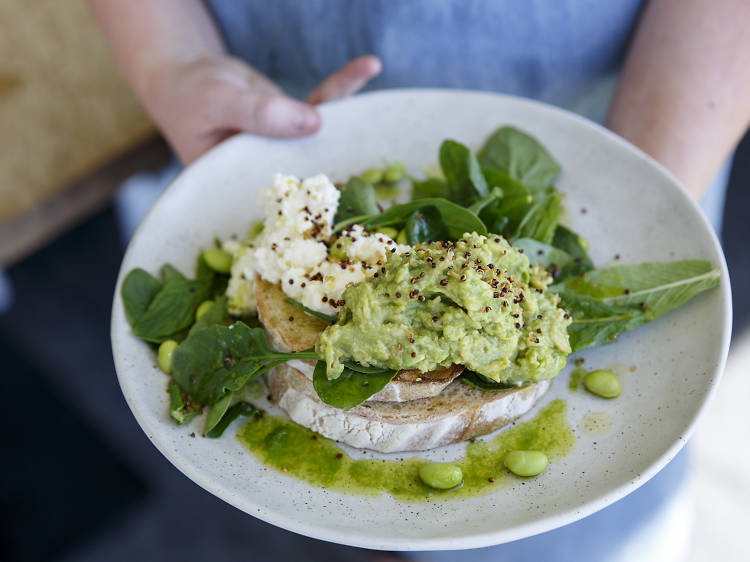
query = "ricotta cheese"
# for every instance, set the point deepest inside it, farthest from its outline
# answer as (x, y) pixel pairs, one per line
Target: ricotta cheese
(295, 247)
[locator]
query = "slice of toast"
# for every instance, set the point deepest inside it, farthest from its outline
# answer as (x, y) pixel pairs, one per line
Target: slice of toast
(458, 413)
(291, 329)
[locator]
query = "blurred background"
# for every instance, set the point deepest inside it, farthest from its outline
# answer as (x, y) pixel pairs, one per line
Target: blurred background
(78, 478)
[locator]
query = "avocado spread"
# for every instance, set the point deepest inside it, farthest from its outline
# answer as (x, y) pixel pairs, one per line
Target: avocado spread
(475, 302)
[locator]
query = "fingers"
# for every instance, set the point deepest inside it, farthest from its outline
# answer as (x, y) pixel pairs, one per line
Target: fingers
(270, 115)
(347, 80)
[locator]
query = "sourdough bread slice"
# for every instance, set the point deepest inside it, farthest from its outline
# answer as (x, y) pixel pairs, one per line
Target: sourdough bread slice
(458, 413)
(291, 329)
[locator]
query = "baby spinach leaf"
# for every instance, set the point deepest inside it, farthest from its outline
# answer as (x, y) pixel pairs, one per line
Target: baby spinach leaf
(138, 290)
(483, 383)
(327, 318)
(172, 309)
(571, 243)
(217, 359)
(425, 225)
(352, 387)
(504, 214)
(169, 272)
(431, 187)
(521, 156)
(462, 172)
(243, 409)
(550, 257)
(457, 220)
(495, 194)
(540, 220)
(357, 198)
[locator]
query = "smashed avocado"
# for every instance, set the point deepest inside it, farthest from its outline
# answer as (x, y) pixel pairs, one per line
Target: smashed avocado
(475, 302)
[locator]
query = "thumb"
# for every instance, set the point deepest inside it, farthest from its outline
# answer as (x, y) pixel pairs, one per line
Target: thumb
(270, 115)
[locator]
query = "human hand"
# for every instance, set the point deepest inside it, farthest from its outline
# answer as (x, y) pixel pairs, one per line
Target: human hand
(199, 104)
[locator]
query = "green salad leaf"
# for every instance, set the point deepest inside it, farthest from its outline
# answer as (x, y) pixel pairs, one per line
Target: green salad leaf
(138, 290)
(548, 256)
(520, 156)
(181, 410)
(220, 359)
(608, 301)
(357, 199)
(540, 220)
(431, 187)
(483, 383)
(172, 309)
(170, 272)
(352, 387)
(217, 411)
(217, 314)
(463, 176)
(240, 409)
(572, 244)
(327, 318)
(425, 225)
(598, 323)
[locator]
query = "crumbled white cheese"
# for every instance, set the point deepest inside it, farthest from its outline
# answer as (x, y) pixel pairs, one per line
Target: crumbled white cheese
(293, 248)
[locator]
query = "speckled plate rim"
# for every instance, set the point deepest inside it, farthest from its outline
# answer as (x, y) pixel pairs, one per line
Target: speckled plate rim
(469, 540)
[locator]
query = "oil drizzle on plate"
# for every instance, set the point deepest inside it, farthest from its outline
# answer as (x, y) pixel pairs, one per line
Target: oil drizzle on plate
(596, 423)
(297, 451)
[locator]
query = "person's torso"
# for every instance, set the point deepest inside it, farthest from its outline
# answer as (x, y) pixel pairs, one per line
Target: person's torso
(553, 50)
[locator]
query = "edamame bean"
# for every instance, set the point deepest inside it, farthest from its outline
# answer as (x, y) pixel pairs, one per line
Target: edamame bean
(203, 307)
(390, 232)
(255, 229)
(525, 463)
(394, 172)
(373, 175)
(401, 238)
(338, 248)
(218, 260)
(603, 383)
(165, 354)
(441, 475)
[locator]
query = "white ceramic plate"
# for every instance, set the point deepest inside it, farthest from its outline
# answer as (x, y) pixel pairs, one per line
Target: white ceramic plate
(634, 209)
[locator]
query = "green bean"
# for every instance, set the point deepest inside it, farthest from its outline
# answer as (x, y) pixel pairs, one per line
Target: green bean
(394, 172)
(218, 260)
(603, 383)
(373, 175)
(203, 307)
(165, 354)
(442, 476)
(525, 463)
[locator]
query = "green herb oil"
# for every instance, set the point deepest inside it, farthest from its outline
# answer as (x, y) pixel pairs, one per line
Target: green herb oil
(299, 452)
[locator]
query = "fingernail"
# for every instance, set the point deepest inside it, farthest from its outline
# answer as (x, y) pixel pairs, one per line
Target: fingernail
(308, 120)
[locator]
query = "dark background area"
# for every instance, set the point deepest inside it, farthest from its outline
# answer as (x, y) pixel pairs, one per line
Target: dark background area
(79, 479)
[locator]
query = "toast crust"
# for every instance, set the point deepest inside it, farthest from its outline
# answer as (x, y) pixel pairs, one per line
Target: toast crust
(303, 331)
(458, 413)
